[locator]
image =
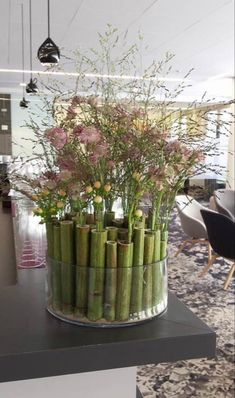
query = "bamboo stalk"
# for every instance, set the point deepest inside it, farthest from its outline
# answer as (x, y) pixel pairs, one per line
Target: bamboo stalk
(122, 234)
(148, 276)
(50, 239)
(110, 281)
(137, 271)
(157, 277)
(56, 269)
(112, 233)
(125, 258)
(109, 216)
(164, 240)
(96, 275)
(141, 222)
(82, 261)
(90, 218)
(67, 258)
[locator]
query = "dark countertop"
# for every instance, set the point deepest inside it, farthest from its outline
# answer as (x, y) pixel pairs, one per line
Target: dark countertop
(34, 344)
(7, 247)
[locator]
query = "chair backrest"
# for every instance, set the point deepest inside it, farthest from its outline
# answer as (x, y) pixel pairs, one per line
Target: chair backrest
(225, 202)
(189, 206)
(221, 233)
(191, 220)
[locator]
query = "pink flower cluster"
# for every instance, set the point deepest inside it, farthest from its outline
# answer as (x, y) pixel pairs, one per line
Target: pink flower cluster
(57, 137)
(87, 135)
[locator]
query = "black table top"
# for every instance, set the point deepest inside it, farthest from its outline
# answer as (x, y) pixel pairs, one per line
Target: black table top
(34, 344)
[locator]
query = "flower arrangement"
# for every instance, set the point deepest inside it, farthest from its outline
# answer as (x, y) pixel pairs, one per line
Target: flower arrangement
(99, 151)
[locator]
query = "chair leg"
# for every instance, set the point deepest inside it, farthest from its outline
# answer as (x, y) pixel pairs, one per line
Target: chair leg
(209, 264)
(229, 277)
(181, 247)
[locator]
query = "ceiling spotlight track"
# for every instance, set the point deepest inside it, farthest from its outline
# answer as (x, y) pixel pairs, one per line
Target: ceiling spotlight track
(23, 102)
(48, 52)
(31, 87)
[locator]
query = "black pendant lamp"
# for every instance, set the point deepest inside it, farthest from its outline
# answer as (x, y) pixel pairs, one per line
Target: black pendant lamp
(31, 87)
(23, 102)
(48, 52)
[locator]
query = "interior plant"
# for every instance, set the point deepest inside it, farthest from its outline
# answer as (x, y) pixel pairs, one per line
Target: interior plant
(107, 141)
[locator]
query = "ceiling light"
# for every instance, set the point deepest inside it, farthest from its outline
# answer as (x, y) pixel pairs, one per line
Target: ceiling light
(24, 103)
(48, 52)
(96, 75)
(23, 84)
(32, 85)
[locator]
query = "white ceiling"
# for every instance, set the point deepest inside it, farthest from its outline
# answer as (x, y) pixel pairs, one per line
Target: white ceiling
(199, 32)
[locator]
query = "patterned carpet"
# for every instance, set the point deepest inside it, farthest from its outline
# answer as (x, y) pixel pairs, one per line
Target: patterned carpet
(205, 296)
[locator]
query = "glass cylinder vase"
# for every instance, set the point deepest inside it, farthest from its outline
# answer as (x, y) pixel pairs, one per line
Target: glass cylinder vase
(106, 296)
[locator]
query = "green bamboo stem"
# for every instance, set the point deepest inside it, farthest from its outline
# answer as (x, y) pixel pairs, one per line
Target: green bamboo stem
(164, 240)
(96, 275)
(137, 271)
(82, 261)
(152, 218)
(112, 233)
(109, 216)
(50, 239)
(122, 234)
(99, 218)
(125, 259)
(56, 270)
(148, 275)
(90, 218)
(157, 275)
(110, 281)
(67, 258)
(140, 223)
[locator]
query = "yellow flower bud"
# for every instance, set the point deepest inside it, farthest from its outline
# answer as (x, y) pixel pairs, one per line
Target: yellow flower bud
(37, 210)
(97, 184)
(45, 192)
(138, 213)
(34, 197)
(53, 210)
(136, 176)
(107, 187)
(98, 199)
(60, 205)
(62, 192)
(89, 189)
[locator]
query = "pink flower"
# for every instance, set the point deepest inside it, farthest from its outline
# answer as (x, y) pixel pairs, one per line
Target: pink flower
(94, 159)
(77, 130)
(65, 175)
(89, 135)
(77, 100)
(57, 137)
(71, 113)
(66, 162)
(110, 164)
(101, 149)
(51, 184)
